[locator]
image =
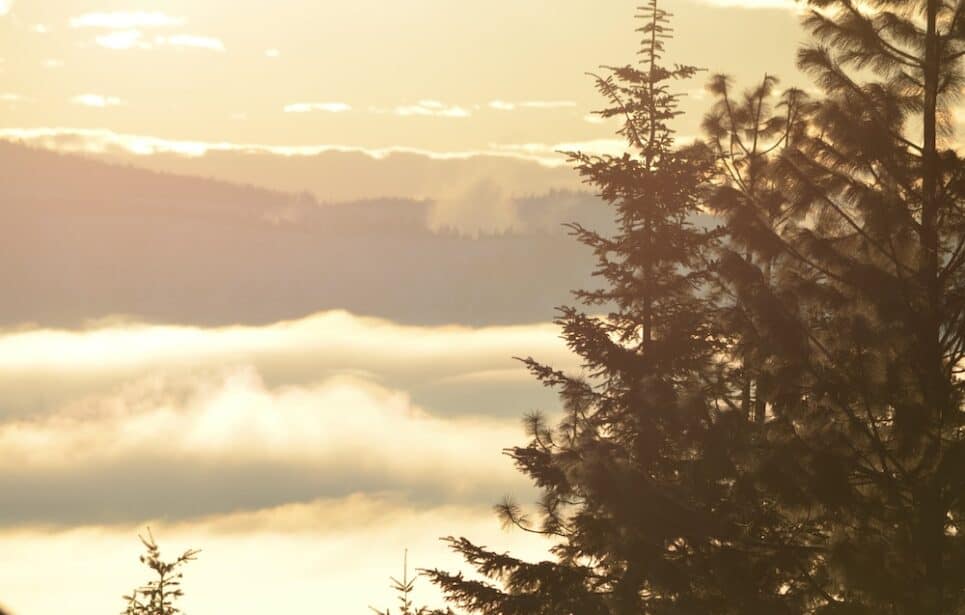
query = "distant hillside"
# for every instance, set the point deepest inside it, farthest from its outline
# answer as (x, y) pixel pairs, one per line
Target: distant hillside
(84, 240)
(349, 176)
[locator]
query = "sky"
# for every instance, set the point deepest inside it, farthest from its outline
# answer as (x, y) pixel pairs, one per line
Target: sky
(302, 453)
(425, 75)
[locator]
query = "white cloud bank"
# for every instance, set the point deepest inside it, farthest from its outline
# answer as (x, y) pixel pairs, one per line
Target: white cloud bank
(123, 39)
(429, 108)
(298, 352)
(331, 556)
(100, 141)
(5, 6)
(214, 444)
(96, 100)
(191, 40)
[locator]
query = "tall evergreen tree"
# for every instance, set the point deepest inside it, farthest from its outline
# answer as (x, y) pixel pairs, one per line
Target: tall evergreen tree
(638, 477)
(746, 133)
(160, 595)
(793, 444)
(862, 458)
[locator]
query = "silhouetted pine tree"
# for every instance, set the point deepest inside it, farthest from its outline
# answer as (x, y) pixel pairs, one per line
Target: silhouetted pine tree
(746, 134)
(404, 589)
(158, 596)
(638, 478)
(857, 310)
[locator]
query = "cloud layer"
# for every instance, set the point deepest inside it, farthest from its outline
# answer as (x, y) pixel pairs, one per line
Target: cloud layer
(271, 448)
(329, 555)
(126, 423)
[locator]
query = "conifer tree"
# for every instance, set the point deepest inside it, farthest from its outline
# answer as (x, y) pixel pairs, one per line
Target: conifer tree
(160, 595)
(404, 589)
(859, 334)
(638, 477)
(747, 134)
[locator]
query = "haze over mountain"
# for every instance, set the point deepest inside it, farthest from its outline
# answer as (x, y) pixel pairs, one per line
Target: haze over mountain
(86, 240)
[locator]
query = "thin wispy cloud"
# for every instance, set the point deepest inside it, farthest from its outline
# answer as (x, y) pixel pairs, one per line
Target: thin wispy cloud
(272, 53)
(328, 107)
(430, 108)
(122, 39)
(99, 141)
(9, 97)
(53, 63)
(612, 147)
(191, 40)
(96, 100)
(5, 6)
(502, 105)
(124, 20)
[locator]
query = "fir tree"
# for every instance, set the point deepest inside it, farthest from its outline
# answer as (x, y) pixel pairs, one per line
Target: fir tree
(404, 589)
(638, 477)
(746, 134)
(158, 596)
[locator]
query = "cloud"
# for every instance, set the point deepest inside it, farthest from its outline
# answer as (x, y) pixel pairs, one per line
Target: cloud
(126, 20)
(96, 100)
(299, 485)
(430, 108)
(483, 207)
(502, 105)
(216, 444)
(272, 53)
(123, 39)
(329, 107)
(5, 6)
(11, 98)
(341, 549)
(89, 140)
(48, 368)
(598, 147)
(332, 340)
(53, 63)
(613, 147)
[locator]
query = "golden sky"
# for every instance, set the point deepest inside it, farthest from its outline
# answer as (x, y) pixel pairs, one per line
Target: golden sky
(433, 75)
